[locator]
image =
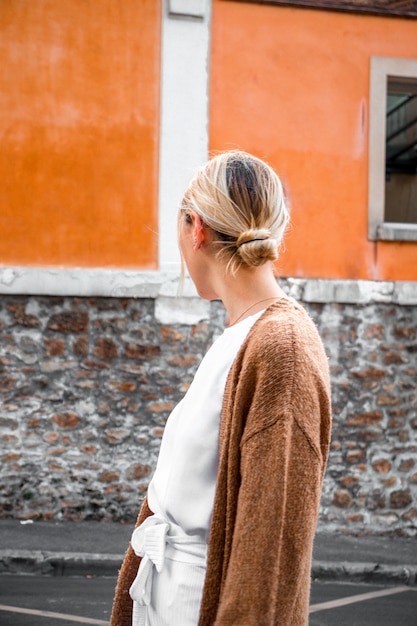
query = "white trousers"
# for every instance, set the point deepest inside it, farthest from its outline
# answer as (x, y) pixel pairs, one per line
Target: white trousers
(168, 587)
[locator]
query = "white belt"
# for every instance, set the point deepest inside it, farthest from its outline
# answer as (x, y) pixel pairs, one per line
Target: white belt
(149, 541)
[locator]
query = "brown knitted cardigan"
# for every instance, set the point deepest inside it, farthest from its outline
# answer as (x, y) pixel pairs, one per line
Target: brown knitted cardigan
(274, 439)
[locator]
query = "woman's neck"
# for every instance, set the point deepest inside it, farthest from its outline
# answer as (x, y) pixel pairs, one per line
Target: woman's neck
(248, 292)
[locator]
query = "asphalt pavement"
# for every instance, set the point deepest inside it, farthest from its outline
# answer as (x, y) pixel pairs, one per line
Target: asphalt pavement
(97, 549)
(61, 573)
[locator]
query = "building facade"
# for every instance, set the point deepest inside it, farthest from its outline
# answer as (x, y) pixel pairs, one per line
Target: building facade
(105, 114)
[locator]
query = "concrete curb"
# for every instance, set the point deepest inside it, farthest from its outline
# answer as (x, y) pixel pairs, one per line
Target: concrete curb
(90, 564)
(365, 572)
(59, 563)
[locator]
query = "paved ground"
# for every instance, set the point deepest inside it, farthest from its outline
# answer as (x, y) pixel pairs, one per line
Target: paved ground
(97, 548)
(58, 574)
(48, 601)
(346, 604)
(39, 600)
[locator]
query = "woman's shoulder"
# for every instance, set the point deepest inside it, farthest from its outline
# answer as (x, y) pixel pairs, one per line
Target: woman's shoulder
(285, 322)
(283, 365)
(285, 338)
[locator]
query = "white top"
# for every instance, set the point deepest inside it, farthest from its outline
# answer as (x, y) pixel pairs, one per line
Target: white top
(183, 486)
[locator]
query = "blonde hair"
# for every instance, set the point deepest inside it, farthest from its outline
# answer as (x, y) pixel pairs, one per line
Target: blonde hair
(241, 199)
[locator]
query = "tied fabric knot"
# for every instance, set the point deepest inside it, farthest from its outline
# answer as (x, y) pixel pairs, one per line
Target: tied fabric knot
(148, 541)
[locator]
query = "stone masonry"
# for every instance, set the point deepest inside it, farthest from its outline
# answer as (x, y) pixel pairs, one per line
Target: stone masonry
(87, 384)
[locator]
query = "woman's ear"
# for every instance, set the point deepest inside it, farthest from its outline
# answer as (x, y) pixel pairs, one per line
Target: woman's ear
(199, 233)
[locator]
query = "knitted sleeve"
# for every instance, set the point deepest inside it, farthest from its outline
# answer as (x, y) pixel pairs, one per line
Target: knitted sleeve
(268, 574)
(122, 604)
(281, 411)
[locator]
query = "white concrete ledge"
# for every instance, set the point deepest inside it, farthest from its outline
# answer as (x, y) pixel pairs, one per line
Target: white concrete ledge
(359, 291)
(81, 282)
(112, 283)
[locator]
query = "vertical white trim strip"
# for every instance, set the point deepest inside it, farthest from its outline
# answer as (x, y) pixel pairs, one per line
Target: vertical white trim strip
(376, 169)
(184, 115)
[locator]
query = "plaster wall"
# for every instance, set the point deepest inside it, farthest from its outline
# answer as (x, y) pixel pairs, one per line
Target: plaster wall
(79, 126)
(292, 86)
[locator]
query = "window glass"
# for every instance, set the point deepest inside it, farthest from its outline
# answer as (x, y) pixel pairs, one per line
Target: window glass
(401, 151)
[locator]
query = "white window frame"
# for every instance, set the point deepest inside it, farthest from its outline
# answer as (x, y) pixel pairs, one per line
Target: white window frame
(381, 69)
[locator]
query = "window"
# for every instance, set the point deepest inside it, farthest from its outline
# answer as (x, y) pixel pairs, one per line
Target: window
(393, 150)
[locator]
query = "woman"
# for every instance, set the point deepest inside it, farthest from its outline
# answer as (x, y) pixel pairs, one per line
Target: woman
(225, 534)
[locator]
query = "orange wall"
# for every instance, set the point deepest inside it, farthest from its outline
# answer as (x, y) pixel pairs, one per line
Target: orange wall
(79, 123)
(292, 86)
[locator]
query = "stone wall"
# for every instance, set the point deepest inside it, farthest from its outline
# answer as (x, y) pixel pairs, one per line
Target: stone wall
(87, 384)
(371, 480)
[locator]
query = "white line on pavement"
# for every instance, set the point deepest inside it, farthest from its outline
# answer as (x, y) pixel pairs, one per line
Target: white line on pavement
(334, 604)
(69, 618)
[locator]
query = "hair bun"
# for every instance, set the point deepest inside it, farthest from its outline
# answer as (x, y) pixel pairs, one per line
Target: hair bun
(253, 235)
(256, 246)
